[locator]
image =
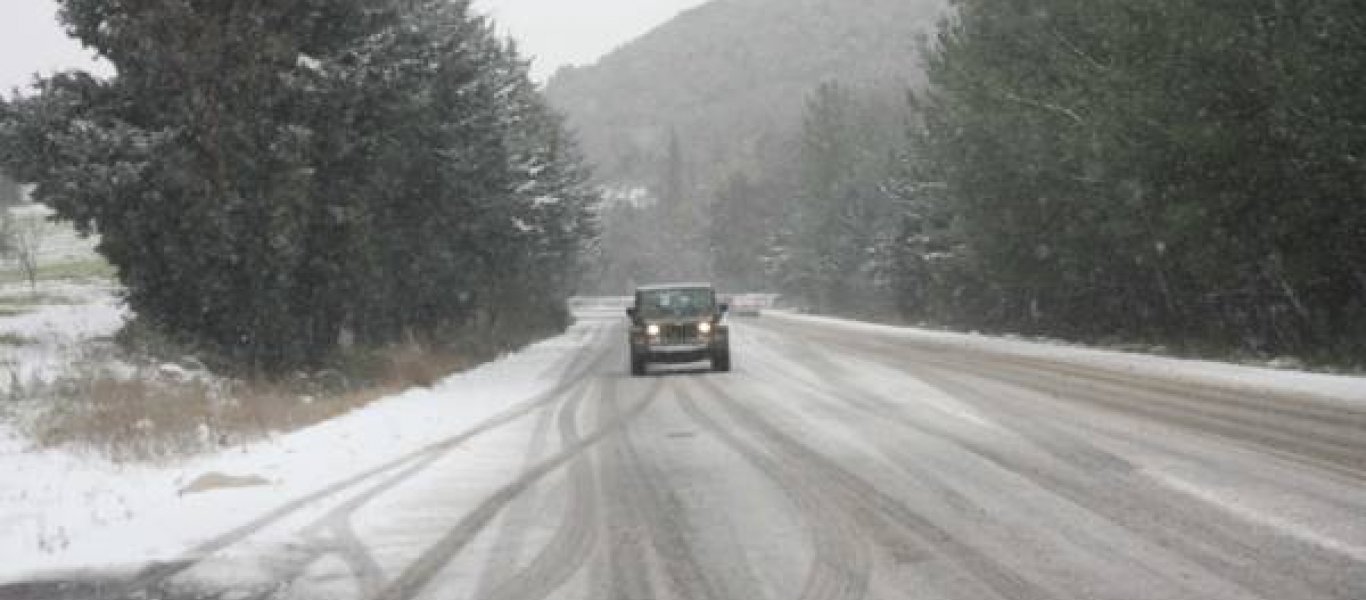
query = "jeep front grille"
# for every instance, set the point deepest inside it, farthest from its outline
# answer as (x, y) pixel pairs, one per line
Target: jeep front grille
(678, 334)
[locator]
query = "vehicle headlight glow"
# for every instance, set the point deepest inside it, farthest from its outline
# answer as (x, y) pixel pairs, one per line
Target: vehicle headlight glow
(652, 329)
(704, 327)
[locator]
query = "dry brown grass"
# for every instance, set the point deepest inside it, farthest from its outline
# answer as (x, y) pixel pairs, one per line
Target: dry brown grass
(133, 419)
(159, 415)
(413, 365)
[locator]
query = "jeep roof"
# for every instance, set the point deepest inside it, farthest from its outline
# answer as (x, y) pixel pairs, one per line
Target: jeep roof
(673, 286)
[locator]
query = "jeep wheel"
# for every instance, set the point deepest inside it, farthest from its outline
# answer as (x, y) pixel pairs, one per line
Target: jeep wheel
(637, 365)
(720, 361)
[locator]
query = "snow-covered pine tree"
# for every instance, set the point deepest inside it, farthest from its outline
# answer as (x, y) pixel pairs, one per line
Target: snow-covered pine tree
(1180, 171)
(268, 175)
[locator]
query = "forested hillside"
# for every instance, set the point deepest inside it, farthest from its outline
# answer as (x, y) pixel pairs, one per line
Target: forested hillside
(1179, 174)
(718, 94)
(727, 74)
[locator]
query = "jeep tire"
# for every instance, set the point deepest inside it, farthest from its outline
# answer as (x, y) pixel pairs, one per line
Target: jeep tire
(720, 360)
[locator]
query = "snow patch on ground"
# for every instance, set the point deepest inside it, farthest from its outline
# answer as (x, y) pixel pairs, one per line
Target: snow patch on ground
(58, 331)
(1227, 375)
(62, 512)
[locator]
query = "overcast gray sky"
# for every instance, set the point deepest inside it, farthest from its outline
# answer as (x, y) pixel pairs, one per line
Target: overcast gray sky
(555, 32)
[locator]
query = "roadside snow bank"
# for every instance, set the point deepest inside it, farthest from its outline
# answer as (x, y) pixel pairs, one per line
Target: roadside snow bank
(1225, 375)
(64, 512)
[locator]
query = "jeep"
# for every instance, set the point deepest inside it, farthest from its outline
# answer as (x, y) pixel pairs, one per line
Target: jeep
(678, 323)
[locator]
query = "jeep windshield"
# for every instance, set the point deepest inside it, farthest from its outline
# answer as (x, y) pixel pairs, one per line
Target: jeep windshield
(675, 303)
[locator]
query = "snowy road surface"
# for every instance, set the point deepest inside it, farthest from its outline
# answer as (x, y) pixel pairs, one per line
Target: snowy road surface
(837, 462)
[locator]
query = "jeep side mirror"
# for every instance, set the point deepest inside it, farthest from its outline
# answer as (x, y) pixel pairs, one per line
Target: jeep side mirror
(723, 308)
(631, 312)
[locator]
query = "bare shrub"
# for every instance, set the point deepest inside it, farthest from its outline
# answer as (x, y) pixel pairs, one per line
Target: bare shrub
(125, 419)
(27, 240)
(415, 365)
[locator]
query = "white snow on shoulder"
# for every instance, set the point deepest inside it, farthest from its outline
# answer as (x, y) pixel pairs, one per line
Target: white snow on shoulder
(55, 334)
(60, 511)
(1225, 375)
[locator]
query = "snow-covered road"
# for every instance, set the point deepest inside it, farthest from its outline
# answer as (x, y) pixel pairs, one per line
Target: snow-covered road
(838, 461)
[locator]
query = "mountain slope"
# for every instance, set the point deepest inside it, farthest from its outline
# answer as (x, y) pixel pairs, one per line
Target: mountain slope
(729, 73)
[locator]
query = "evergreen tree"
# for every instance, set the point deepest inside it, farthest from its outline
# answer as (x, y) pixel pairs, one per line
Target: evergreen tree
(837, 231)
(680, 236)
(741, 220)
(1175, 170)
(268, 176)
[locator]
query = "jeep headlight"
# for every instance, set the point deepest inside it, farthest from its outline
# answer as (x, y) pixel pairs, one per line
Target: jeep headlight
(652, 330)
(704, 327)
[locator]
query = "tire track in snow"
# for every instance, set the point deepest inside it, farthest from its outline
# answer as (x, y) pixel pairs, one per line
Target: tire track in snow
(517, 519)
(628, 572)
(651, 526)
(573, 541)
(427, 566)
(1217, 541)
(156, 576)
(1086, 477)
(1101, 482)
(875, 510)
(841, 566)
(1316, 431)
